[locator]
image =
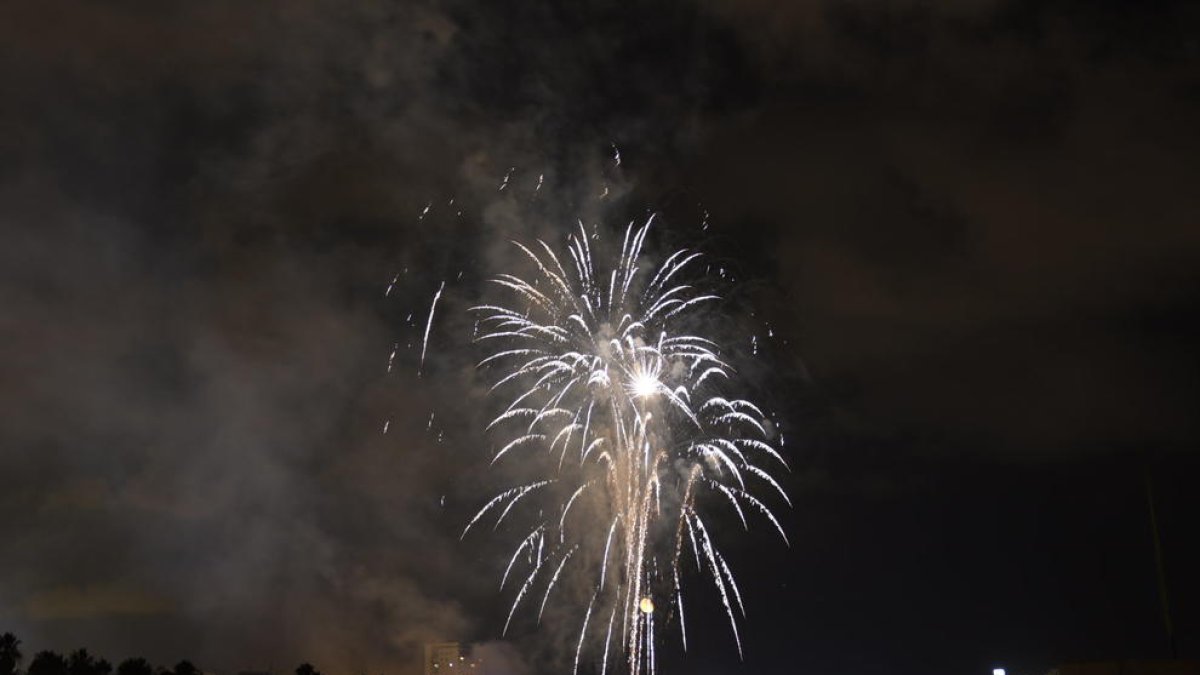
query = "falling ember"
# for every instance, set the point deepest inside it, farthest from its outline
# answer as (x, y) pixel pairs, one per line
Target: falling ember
(392, 356)
(642, 423)
(428, 325)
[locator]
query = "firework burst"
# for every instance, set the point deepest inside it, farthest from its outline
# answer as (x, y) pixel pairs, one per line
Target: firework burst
(597, 367)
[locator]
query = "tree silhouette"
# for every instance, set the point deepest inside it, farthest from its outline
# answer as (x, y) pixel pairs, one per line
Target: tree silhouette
(10, 653)
(48, 663)
(80, 662)
(186, 667)
(307, 669)
(134, 666)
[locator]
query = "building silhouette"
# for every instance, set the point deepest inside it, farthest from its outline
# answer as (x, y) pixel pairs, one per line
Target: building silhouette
(451, 658)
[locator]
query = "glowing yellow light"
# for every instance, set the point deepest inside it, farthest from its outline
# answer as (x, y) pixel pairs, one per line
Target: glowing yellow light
(646, 605)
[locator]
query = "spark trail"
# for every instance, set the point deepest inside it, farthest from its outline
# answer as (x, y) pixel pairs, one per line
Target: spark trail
(428, 325)
(602, 368)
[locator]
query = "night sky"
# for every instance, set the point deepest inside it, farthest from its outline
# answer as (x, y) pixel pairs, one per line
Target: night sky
(964, 235)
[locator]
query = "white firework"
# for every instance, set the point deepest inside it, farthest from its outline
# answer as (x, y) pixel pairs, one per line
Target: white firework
(596, 368)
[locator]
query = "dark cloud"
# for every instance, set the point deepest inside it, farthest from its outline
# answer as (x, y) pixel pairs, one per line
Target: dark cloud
(986, 220)
(971, 227)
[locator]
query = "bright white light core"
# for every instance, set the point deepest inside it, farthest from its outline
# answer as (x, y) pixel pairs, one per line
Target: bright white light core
(644, 384)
